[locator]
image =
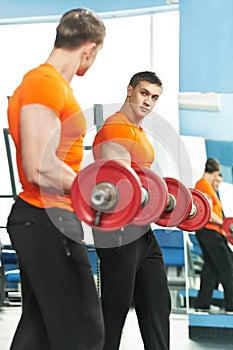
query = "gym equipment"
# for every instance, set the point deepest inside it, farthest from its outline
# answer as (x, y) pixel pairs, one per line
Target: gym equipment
(199, 214)
(176, 208)
(179, 203)
(228, 228)
(106, 195)
(155, 197)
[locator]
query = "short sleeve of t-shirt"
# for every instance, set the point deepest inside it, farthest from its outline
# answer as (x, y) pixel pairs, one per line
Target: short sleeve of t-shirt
(205, 188)
(45, 89)
(116, 132)
(119, 129)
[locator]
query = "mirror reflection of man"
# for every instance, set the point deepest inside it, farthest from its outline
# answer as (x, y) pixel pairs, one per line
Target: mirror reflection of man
(215, 184)
(218, 262)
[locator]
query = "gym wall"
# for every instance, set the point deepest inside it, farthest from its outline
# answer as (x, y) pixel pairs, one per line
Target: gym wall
(206, 54)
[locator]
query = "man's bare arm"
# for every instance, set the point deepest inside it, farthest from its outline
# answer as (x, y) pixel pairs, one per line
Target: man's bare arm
(39, 136)
(112, 150)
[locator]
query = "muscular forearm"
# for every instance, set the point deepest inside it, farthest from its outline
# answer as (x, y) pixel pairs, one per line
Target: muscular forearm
(56, 177)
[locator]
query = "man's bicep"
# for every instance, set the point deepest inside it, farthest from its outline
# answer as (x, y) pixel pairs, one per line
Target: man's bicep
(39, 136)
(113, 150)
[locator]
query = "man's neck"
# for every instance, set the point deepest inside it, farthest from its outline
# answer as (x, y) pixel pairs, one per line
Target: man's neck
(208, 177)
(126, 110)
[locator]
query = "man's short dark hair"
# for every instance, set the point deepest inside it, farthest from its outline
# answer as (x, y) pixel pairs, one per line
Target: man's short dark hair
(77, 27)
(148, 76)
(212, 165)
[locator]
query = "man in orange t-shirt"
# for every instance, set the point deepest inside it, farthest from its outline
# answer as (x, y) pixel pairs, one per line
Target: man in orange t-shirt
(61, 309)
(131, 262)
(218, 262)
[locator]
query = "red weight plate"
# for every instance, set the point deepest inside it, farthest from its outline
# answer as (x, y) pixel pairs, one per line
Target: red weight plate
(183, 205)
(200, 215)
(128, 187)
(228, 228)
(157, 197)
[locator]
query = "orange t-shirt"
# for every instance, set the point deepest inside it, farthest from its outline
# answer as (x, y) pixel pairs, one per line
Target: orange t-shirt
(44, 85)
(205, 187)
(119, 128)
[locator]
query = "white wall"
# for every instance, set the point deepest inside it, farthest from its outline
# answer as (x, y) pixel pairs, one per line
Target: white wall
(226, 195)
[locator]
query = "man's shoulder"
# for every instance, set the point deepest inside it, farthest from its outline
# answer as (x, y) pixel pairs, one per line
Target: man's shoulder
(116, 118)
(204, 186)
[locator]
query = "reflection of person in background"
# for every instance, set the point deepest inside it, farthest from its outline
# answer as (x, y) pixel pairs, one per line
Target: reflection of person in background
(133, 271)
(216, 183)
(60, 306)
(218, 263)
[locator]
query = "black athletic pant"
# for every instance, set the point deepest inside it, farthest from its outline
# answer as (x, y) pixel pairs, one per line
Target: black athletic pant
(218, 266)
(135, 272)
(61, 309)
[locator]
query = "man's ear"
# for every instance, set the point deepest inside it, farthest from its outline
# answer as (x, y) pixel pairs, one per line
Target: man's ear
(129, 90)
(90, 47)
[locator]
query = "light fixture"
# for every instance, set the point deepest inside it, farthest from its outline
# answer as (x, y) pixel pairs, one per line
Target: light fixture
(172, 1)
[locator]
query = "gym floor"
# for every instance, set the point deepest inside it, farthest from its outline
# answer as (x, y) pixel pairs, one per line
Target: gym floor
(131, 339)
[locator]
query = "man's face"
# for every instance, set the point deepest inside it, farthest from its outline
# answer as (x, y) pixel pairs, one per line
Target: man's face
(216, 182)
(143, 97)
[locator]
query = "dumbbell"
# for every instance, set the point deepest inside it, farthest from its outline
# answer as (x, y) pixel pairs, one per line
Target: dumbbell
(171, 203)
(228, 228)
(199, 214)
(187, 208)
(106, 195)
(179, 203)
(155, 197)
